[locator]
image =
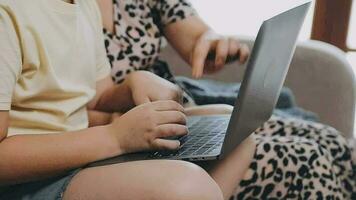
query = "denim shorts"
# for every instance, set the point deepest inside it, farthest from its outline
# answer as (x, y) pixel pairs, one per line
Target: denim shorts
(49, 189)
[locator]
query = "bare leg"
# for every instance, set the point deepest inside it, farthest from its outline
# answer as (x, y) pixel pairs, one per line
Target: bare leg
(151, 180)
(230, 171)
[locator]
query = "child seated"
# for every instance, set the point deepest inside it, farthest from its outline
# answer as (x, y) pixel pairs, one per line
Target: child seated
(54, 80)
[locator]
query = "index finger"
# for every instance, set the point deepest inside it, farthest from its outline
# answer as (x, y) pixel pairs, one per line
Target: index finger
(200, 53)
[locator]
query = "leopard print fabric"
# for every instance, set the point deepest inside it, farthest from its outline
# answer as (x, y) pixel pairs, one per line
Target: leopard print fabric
(297, 159)
(137, 39)
(294, 159)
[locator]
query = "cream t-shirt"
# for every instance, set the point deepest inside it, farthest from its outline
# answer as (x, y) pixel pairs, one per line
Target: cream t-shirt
(51, 55)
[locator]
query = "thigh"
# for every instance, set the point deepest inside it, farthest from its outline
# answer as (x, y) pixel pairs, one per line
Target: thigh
(286, 168)
(298, 159)
(143, 180)
(296, 130)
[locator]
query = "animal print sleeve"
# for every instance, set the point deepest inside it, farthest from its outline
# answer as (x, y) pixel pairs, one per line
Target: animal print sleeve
(169, 11)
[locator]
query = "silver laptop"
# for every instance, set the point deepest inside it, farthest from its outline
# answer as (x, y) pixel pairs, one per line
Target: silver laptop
(214, 137)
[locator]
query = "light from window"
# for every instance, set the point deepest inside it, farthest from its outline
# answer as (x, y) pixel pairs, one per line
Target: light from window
(352, 59)
(244, 17)
(351, 40)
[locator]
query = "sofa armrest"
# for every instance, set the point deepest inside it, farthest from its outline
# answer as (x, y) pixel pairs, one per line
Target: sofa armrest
(319, 76)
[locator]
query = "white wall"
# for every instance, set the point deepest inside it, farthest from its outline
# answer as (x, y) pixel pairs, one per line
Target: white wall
(244, 17)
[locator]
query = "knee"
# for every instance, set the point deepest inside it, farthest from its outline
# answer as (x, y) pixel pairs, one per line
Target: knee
(225, 109)
(192, 182)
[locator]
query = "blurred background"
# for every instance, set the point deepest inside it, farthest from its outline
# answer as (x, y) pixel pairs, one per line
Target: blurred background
(331, 21)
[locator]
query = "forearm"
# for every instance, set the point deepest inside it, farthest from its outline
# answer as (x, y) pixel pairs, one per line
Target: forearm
(32, 157)
(116, 98)
(183, 35)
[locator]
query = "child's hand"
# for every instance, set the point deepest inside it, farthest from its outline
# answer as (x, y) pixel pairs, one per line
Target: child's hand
(212, 51)
(148, 87)
(146, 126)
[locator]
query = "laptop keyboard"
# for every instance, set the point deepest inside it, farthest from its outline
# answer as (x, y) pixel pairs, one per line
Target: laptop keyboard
(206, 136)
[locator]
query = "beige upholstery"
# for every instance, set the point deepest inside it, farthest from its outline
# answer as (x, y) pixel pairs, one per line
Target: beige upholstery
(320, 77)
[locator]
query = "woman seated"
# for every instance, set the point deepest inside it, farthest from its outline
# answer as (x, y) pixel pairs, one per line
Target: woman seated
(292, 156)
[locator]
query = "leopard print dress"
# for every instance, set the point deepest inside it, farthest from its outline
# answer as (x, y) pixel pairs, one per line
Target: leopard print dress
(294, 159)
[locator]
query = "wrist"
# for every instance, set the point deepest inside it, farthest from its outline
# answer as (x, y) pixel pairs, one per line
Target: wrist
(111, 146)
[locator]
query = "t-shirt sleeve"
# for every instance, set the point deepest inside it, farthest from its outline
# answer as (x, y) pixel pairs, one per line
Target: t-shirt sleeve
(10, 59)
(169, 11)
(103, 65)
